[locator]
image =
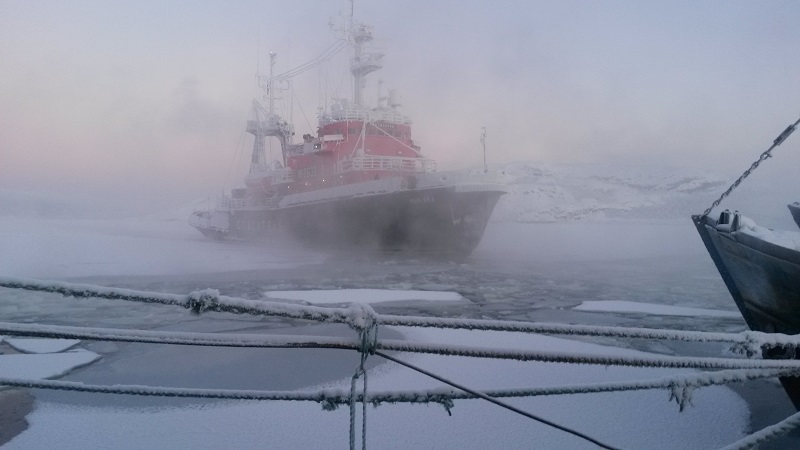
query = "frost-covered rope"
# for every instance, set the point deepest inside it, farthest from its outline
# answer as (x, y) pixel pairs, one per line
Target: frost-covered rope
(678, 362)
(673, 383)
(279, 341)
(746, 338)
(368, 339)
(748, 342)
(179, 337)
(784, 426)
(324, 397)
(495, 401)
(331, 398)
(197, 302)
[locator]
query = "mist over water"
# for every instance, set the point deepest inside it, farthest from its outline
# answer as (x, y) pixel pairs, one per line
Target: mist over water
(610, 124)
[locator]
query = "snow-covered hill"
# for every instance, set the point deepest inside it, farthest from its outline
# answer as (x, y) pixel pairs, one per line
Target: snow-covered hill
(537, 193)
(554, 193)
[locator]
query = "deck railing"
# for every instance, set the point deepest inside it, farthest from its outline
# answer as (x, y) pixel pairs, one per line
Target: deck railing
(387, 163)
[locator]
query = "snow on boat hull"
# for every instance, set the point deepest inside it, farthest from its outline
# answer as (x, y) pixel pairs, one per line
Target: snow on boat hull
(762, 277)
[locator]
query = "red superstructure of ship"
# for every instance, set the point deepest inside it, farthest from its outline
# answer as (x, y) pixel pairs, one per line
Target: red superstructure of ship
(361, 180)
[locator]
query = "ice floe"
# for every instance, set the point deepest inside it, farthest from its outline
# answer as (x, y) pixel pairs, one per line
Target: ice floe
(38, 345)
(46, 365)
(362, 296)
(621, 306)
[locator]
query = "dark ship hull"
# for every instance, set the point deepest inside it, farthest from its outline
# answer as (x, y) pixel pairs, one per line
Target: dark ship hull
(763, 279)
(795, 210)
(429, 221)
(437, 220)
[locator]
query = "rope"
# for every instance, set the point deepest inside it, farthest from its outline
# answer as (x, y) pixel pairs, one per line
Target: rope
(369, 342)
(330, 399)
(366, 323)
(210, 300)
(495, 401)
(327, 54)
(768, 433)
(300, 104)
(398, 140)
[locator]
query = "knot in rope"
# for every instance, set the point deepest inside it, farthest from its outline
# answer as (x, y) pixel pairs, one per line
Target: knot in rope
(200, 301)
(364, 319)
(750, 347)
(445, 401)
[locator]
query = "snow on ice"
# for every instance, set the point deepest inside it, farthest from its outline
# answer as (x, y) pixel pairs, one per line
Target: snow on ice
(37, 345)
(362, 296)
(621, 306)
(46, 365)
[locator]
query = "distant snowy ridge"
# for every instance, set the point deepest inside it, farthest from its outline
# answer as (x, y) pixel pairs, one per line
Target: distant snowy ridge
(536, 193)
(600, 192)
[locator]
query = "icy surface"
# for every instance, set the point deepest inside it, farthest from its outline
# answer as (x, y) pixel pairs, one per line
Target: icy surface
(49, 365)
(649, 308)
(36, 345)
(783, 238)
(362, 295)
(519, 272)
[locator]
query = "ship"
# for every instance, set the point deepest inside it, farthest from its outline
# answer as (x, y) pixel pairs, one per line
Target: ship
(359, 181)
(794, 208)
(761, 269)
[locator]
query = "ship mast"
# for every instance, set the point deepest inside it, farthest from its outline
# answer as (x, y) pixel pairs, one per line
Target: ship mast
(365, 59)
(265, 122)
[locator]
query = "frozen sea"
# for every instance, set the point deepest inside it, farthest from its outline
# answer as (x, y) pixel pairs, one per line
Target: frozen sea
(628, 273)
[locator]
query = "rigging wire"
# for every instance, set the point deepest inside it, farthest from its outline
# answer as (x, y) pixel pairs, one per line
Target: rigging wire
(237, 154)
(300, 105)
(331, 51)
(495, 401)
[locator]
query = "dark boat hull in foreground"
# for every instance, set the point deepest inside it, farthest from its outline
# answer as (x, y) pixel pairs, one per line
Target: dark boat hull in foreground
(763, 278)
(795, 210)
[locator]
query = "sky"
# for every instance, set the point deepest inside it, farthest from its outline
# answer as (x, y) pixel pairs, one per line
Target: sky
(145, 102)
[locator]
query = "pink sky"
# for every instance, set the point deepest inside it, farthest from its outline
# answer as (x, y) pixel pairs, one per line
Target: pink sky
(147, 100)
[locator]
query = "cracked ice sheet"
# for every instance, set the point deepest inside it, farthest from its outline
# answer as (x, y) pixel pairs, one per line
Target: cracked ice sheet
(37, 345)
(638, 419)
(336, 296)
(622, 306)
(48, 365)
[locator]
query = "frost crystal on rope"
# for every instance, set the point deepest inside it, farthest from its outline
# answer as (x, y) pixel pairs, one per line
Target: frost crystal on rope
(749, 347)
(329, 405)
(200, 301)
(682, 394)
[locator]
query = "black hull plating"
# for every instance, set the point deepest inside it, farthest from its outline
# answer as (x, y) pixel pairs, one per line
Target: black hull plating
(437, 220)
(764, 281)
(795, 210)
(432, 220)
